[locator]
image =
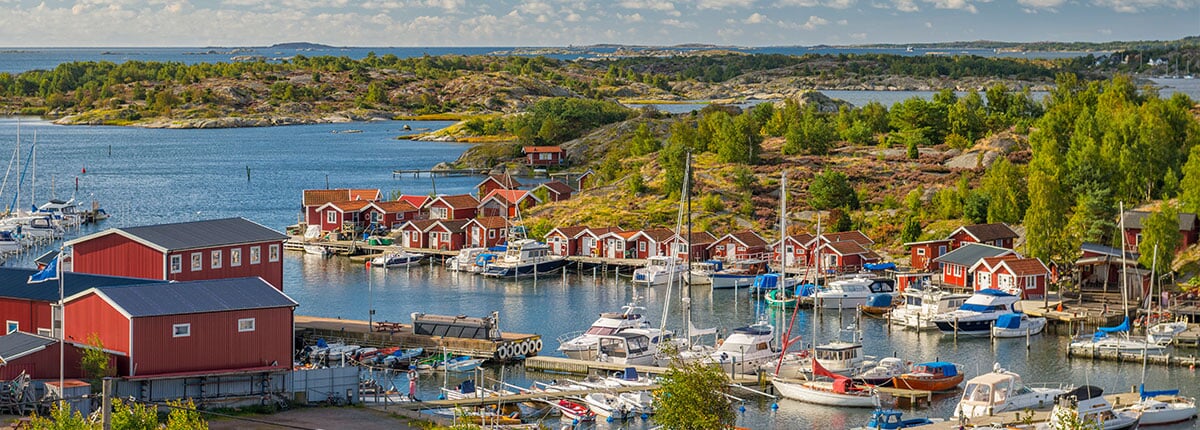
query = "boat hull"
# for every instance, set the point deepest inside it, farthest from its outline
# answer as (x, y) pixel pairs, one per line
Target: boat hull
(1169, 415)
(927, 384)
(723, 281)
(843, 302)
(966, 328)
(821, 393)
(524, 270)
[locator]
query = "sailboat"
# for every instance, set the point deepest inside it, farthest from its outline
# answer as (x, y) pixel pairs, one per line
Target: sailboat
(687, 349)
(840, 391)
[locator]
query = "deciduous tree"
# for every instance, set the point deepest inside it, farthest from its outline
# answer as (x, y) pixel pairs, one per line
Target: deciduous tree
(1160, 231)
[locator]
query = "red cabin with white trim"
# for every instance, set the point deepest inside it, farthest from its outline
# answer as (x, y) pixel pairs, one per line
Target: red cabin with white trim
(313, 199)
(462, 206)
(390, 215)
(652, 242)
(507, 203)
(564, 241)
(742, 245)
(486, 232)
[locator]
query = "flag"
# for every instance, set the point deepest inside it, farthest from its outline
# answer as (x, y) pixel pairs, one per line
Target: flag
(49, 273)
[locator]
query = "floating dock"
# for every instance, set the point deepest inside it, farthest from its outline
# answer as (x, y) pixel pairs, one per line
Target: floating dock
(1182, 360)
(385, 334)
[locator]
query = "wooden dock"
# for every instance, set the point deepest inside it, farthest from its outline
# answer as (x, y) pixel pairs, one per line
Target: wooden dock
(385, 334)
(416, 173)
(584, 367)
(1182, 360)
(581, 261)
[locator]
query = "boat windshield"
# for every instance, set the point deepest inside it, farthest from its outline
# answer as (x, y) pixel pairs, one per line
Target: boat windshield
(602, 331)
(976, 392)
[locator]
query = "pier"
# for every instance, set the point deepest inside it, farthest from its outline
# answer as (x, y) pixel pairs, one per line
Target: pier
(416, 173)
(385, 334)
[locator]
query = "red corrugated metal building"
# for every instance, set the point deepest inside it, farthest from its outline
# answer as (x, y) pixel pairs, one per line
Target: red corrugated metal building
(37, 356)
(188, 251)
(25, 306)
(197, 326)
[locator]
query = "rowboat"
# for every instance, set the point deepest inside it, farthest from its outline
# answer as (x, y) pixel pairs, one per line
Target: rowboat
(931, 376)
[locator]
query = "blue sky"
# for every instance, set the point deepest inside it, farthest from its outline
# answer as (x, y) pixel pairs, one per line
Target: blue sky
(566, 22)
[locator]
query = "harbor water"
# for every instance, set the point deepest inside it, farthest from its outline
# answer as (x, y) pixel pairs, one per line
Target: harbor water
(144, 176)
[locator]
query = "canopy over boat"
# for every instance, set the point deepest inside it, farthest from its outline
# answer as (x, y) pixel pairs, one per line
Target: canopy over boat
(1120, 328)
(1148, 394)
(879, 300)
(947, 369)
(1012, 321)
(880, 266)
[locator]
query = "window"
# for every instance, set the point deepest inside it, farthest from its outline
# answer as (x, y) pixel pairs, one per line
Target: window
(45, 332)
(377, 216)
(445, 237)
(1137, 240)
(11, 326)
(181, 330)
(1031, 282)
(216, 259)
(235, 257)
(273, 253)
(331, 217)
(176, 263)
(921, 251)
(545, 156)
(245, 325)
(641, 246)
(491, 234)
(255, 254)
(438, 213)
(197, 262)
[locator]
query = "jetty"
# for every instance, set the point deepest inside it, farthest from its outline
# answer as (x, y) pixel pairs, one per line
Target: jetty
(416, 173)
(387, 334)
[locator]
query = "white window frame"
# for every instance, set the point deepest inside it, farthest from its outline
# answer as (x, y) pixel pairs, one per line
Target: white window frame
(273, 253)
(45, 332)
(215, 261)
(1031, 282)
(439, 213)
(197, 261)
(921, 251)
(641, 246)
(185, 332)
(176, 263)
(255, 254)
(244, 327)
(235, 257)
(331, 217)
(545, 156)
(491, 233)
(377, 216)
(445, 237)
(11, 326)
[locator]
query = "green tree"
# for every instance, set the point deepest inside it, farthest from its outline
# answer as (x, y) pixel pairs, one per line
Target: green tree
(1161, 232)
(831, 189)
(95, 362)
(1004, 185)
(911, 231)
(61, 417)
(692, 396)
(643, 141)
(1189, 198)
(672, 158)
(1045, 223)
(133, 416)
(184, 416)
(976, 207)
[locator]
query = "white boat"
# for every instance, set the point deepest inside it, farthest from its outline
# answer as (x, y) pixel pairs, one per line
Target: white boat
(37, 226)
(524, 257)
(316, 250)
(1114, 339)
(659, 270)
(976, 316)
(396, 259)
(462, 364)
(702, 271)
(639, 402)
(1018, 325)
(582, 345)
(9, 242)
(919, 306)
(851, 293)
(465, 260)
(66, 212)
(609, 406)
(882, 373)
(843, 358)
(1086, 406)
(1002, 391)
(1163, 333)
(841, 391)
(746, 349)
(1163, 407)
(739, 274)
(635, 346)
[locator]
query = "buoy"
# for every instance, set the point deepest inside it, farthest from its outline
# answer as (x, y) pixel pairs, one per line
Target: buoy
(609, 419)
(742, 409)
(85, 170)
(645, 416)
(774, 406)
(575, 422)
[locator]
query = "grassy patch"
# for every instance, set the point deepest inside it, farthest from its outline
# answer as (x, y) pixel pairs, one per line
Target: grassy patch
(488, 139)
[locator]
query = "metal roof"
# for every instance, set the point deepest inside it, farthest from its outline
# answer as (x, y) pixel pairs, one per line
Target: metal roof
(204, 234)
(970, 253)
(1134, 220)
(14, 283)
(17, 344)
(192, 297)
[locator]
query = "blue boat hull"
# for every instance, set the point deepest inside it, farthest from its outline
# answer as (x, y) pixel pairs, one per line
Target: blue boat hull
(977, 327)
(525, 270)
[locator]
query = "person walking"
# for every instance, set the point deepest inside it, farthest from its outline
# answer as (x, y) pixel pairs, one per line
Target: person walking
(412, 383)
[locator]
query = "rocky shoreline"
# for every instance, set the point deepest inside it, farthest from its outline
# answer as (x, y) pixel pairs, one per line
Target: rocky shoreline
(227, 122)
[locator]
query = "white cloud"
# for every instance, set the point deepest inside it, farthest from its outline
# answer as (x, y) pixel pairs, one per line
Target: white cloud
(677, 23)
(636, 17)
(722, 4)
(535, 8)
(928, 24)
(756, 18)
(843, 22)
(814, 22)
(835, 4)
(658, 5)
(1135, 6)
(1105, 31)
(858, 36)
(954, 4)
(1041, 4)
(449, 5)
(573, 17)
(906, 6)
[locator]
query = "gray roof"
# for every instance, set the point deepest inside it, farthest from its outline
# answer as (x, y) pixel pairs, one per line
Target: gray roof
(192, 297)
(1134, 219)
(1106, 250)
(970, 253)
(16, 344)
(204, 234)
(14, 283)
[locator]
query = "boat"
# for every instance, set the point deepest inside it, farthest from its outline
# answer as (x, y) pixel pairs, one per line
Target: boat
(850, 293)
(575, 411)
(790, 296)
(1162, 407)
(524, 257)
(891, 419)
(1163, 333)
(878, 305)
(1114, 339)
(66, 212)
(9, 242)
(316, 250)
(396, 259)
(640, 402)
(931, 376)
(702, 271)
(1017, 325)
(841, 391)
(737, 274)
(582, 345)
(882, 373)
(1001, 391)
(976, 316)
(609, 406)
(658, 270)
(746, 349)
(918, 307)
(1087, 407)
(400, 357)
(635, 346)
(465, 260)
(462, 364)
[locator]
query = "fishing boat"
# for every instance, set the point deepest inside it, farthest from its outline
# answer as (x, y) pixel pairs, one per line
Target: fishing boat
(890, 419)
(659, 270)
(524, 257)
(1087, 407)
(737, 274)
(1162, 407)
(931, 376)
(840, 357)
(465, 260)
(841, 391)
(976, 316)
(1017, 325)
(609, 406)
(702, 271)
(581, 345)
(396, 259)
(1001, 391)
(878, 305)
(746, 349)
(790, 296)
(918, 306)
(850, 293)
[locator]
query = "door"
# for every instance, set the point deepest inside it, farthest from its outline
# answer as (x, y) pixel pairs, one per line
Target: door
(789, 256)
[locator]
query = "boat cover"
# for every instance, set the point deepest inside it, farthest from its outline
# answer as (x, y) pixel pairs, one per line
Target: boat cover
(841, 384)
(993, 292)
(499, 248)
(1120, 328)
(880, 266)
(767, 281)
(806, 289)
(1082, 392)
(879, 300)
(1148, 394)
(1009, 321)
(630, 374)
(946, 368)
(467, 387)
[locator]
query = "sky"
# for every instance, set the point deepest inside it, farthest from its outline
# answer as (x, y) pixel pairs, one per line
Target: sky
(582, 22)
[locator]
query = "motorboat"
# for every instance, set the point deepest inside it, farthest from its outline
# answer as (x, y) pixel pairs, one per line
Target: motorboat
(1086, 406)
(1163, 333)
(524, 257)
(701, 273)
(609, 405)
(465, 260)
(316, 250)
(843, 358)
(581, 345)
(746, 349)
(738, 274)
(850, 293)
(840, 391)
(396, 259)
(1017, 325)
(891, 419)
(1113, 339)
(659, 270)
(790, 296)
(882, 373)
(575, 411)
(635, 346)
(878, 305)
(932, 376)
(917, 307)
(1162, 407)
(1001, 391)
(66, 212)
(976, 316)
(640, 402)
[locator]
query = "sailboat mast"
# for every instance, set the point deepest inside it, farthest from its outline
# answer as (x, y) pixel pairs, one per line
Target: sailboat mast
(1124, 265)
(33, 178)
(687, 286)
